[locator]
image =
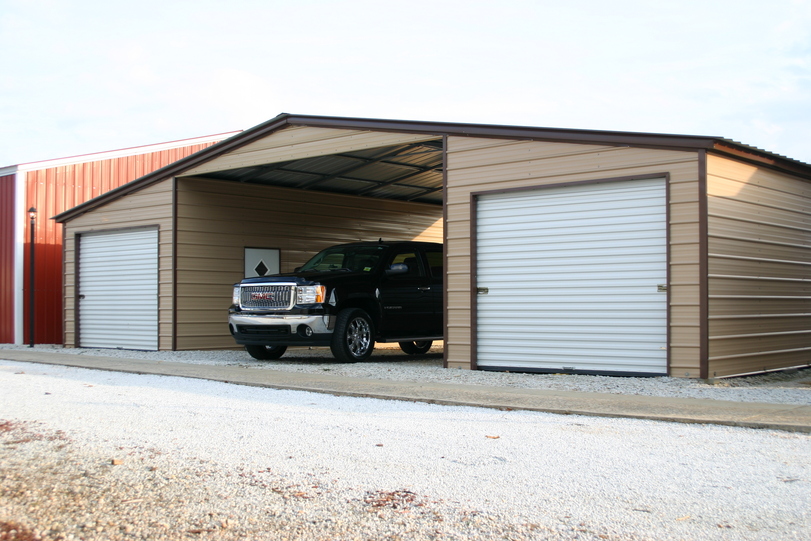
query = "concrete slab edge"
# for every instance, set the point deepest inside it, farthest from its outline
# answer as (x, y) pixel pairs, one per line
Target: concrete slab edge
(763, 425)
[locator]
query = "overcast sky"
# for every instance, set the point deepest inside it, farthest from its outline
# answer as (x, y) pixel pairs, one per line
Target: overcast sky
(80, 76)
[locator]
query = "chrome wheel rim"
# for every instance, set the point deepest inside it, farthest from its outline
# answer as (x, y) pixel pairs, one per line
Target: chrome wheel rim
(358, 336)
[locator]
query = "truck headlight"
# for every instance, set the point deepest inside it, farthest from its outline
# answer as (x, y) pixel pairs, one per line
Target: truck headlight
(235, 296)
(310, 294)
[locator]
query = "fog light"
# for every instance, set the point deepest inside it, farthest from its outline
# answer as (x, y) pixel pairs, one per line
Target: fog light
(305, 330)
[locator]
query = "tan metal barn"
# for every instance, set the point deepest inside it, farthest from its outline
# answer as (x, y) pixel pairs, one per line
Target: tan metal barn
(566, 250)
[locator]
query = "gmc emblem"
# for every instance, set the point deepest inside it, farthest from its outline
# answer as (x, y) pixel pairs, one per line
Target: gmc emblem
(262, 297)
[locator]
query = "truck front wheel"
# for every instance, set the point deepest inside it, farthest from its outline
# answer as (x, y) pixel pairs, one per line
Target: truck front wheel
(266, 353)
(353, 338)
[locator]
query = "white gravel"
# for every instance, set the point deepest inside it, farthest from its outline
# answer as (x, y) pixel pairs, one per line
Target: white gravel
(388, 362)
(106, 456)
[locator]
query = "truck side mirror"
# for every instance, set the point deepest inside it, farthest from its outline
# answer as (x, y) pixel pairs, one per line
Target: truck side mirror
(397, 268)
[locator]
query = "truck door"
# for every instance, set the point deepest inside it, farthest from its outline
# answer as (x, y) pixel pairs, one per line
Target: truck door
(406, 298)
(436, 268)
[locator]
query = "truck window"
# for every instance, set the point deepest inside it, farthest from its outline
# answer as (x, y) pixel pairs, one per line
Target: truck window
(436, 263)
(411, 259)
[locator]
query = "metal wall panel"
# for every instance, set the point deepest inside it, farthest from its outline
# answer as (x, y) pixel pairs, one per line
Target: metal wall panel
(468, 174)
(7, 198)
(53, 190)
(118, 290)
(571, 277)
(759, 250)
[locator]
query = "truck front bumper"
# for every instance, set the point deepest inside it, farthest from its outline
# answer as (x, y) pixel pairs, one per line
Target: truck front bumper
(281, 330)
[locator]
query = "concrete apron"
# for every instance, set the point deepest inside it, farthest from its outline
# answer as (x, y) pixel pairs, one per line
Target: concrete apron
(681, 410)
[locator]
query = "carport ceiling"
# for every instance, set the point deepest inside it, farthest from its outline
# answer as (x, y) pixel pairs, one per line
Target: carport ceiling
(406, 172)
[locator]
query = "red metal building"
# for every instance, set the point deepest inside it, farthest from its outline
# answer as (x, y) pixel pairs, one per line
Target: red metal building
(51, 187)
(7, 194)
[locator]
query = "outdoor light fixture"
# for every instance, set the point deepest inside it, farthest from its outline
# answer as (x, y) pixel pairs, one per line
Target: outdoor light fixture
(32, 215)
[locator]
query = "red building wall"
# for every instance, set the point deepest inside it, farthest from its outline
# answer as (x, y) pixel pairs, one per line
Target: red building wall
(55, 190)
(7, 193)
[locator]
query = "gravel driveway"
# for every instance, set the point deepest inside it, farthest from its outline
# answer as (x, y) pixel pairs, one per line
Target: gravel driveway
(98, 455)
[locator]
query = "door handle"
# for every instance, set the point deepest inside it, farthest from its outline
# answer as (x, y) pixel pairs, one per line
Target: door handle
(424, 288)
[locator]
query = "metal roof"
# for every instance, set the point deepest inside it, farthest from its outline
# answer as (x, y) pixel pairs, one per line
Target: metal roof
(413, 171)
(409, 172)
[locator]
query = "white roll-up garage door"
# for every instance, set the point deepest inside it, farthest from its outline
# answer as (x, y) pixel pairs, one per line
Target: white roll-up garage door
(118, 290)
(573, 278)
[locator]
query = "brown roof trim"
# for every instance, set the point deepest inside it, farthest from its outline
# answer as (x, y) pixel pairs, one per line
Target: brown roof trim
(760, 157)
(510, 132)
(564, 135)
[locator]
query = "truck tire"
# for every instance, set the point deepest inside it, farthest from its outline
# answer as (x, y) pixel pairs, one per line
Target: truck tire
(419, 347)
(353, 338)
(266, 353)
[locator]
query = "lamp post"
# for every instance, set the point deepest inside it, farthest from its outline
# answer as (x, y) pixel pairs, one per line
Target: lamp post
(32, 215)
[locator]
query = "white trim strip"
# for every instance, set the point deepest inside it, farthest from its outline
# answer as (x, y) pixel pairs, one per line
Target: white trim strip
(19, 257)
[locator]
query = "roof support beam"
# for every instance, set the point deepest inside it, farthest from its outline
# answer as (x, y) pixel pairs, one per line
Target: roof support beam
(366, 162)
(401, 178)
(426, 191)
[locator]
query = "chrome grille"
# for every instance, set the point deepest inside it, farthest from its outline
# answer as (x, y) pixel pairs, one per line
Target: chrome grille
(267, 297)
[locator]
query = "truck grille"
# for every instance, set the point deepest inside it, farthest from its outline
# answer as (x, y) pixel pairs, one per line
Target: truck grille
(267, 297)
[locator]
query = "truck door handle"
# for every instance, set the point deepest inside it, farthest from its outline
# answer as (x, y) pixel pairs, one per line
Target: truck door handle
(424, 288)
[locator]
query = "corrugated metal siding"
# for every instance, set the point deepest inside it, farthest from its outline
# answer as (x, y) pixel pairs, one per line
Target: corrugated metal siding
(118, 290)
(479, 164)
(151, 206)
(57, 189)
(759, 248)
(295, 143)
(7, 193)
(572, 276)
(217, 220)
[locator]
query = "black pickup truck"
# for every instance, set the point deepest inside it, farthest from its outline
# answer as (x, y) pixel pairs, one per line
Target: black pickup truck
(347, 297)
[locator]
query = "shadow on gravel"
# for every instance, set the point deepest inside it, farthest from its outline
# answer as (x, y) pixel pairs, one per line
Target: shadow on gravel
(385, 355)
(429, 360)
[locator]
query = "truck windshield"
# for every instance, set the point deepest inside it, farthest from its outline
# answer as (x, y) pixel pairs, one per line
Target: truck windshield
(353, 258)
